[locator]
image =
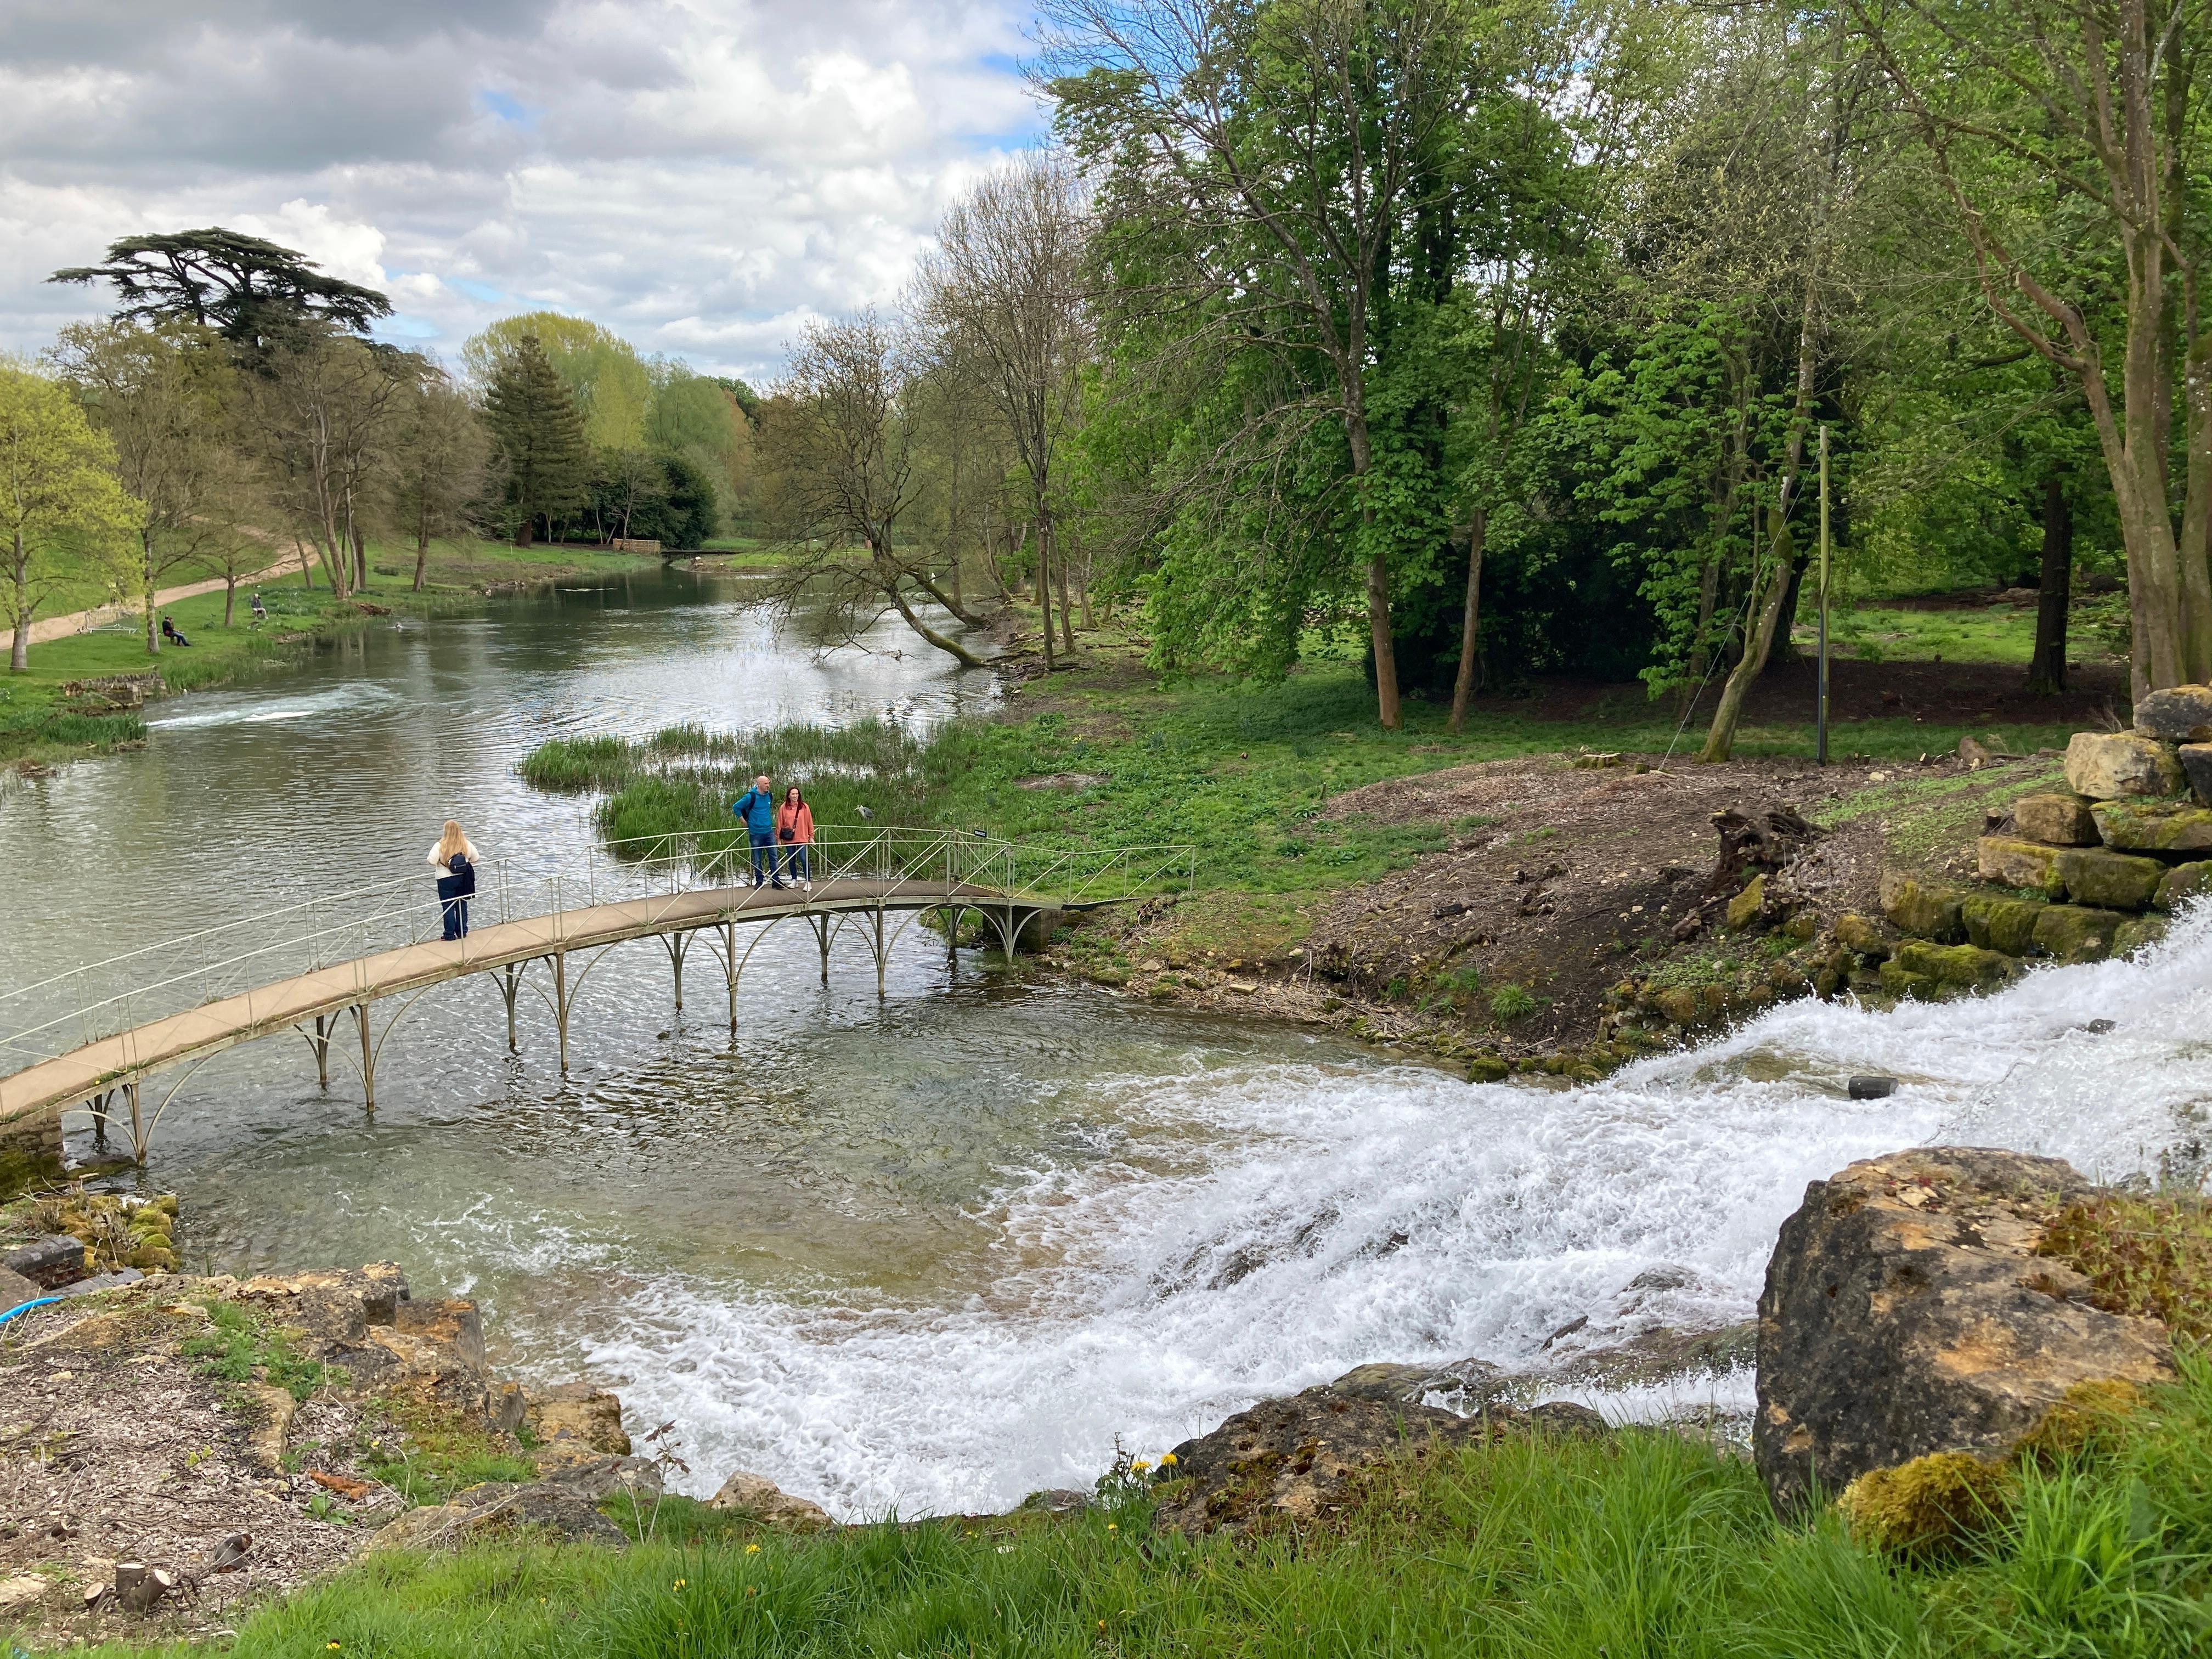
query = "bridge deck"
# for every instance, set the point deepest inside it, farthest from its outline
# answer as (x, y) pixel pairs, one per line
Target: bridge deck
(213, 1026)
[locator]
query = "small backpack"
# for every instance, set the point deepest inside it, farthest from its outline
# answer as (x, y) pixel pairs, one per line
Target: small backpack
(463, 873)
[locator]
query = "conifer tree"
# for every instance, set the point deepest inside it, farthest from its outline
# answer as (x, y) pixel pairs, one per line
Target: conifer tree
(540, 435)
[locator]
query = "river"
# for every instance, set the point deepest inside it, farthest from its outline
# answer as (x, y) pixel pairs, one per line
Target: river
(932, 1252)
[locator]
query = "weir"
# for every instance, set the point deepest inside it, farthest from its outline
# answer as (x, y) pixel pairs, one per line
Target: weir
(179, 1003)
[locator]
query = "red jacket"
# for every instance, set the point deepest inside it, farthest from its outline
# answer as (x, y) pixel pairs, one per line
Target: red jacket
(800, 823)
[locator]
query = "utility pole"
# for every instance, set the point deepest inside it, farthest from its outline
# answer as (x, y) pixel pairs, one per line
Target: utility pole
(1821, 720)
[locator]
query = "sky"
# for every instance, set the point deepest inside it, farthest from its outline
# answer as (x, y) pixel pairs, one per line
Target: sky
(700, 176)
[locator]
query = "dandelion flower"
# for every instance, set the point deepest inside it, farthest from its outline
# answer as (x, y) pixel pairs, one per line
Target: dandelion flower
(1110, 1527)
(1140, 1466)
(1167, 1459)
(679, 1583)
(752, 1549)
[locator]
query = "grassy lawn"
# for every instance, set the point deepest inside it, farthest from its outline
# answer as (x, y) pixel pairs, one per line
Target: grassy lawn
(1647, 1544)
(37, 723)
(1876, 631)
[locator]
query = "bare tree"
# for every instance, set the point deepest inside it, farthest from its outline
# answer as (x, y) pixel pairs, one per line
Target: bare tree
(1006, 287)
(322, 415)
(840, 444)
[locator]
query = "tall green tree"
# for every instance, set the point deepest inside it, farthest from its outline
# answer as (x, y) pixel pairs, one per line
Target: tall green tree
(64, 513)
(538, 433)
(435, 467)
(249, 291)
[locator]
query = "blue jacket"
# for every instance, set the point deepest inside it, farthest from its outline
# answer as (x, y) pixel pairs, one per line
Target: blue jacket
(757, 808)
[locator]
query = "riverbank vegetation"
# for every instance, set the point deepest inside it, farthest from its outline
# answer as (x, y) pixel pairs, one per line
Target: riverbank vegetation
(1646, 1543)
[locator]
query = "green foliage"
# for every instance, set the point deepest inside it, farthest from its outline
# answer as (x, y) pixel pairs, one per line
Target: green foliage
(542, 460)
(1510, 1002)
(2143, 1256)
(427, 1457)
(240, 1347)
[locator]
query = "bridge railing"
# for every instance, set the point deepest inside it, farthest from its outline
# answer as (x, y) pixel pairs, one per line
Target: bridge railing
(50, 1016)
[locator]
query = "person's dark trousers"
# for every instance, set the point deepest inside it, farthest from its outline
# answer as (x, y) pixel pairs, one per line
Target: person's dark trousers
(457, 918)
(796, 865)
(763, 845)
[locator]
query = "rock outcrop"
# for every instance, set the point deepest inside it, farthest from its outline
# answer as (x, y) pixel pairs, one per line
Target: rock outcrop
(1907, 1313)
(761, 1499)
(1300, 1459)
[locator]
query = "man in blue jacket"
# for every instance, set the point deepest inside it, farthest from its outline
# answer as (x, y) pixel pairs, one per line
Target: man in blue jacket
(757, 806)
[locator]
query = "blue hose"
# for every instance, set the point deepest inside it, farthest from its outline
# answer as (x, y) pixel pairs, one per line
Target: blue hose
(26, 1307)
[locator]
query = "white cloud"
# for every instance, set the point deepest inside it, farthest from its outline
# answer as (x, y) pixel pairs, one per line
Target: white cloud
(701, 175)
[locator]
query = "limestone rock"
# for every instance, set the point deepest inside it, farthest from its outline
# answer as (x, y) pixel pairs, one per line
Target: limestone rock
(1461, 1387)
(1861, 933)
(1996, 923)
(1288, 1461)
(19, 1594)
(2132, 935)
(1905, 1314)
(1743, 909)
(596, 1474)
(758, 1496)
(506, 1408)
(501, 1508)
(2108, 765)
(2112, 881)
(264, 1442)
(2183, 883)
(577, 1411)
(2073, 933)
(1960, 965)
(2197, 765)
(434, 1351)
(2180, 714)
(2058, 817)
(2156, 826)
(1921, 908)
(334, 1308)
(15, 1290)
(2014, 863)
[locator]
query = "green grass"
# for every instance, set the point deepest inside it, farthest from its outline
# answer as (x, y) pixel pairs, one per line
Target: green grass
(1648, 1544)
(239, 1347)
(1875, 632)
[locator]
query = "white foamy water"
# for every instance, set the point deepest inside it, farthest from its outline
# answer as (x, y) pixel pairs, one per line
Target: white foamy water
(1254, 1230)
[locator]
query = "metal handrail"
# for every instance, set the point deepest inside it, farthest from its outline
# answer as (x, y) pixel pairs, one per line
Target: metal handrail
(404, 911)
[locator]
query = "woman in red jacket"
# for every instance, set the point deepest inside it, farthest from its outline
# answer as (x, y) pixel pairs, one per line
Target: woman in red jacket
(794, 834)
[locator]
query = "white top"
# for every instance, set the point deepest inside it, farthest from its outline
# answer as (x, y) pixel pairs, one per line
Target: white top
(438, 864)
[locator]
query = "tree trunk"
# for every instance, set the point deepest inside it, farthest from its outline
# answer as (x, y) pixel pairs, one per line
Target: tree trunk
(1720, 741)
(1044, 594)
(229, 597)
(1066, 614)
(1478, 530)
(360, 557)
(307, 570)
(522, 529)
(146, 590)
(422, 558)
(19, 654)
(887, 575)
(1785, 646)
(2046, 670)
(1378, 587)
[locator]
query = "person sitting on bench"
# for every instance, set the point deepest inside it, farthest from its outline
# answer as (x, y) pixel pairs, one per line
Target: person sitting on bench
(169, 633)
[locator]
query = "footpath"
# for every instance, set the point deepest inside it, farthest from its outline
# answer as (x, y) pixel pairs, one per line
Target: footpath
(83, 622)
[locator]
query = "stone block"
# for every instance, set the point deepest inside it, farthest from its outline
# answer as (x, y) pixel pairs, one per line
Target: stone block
(2196, 760)
(2057, 817)
(2011, 862)
(2180, 714)
(2112, 881)
(1960, 965)
(56, 1259)
(2131, 937)
(2155, 826)
(2073, 934)
(580, 1412)
(1861, 933)
(1743, 909)
(1900, 982)
(1922, 908)
(2183, 883)
(1996, 923)
(2108, 765)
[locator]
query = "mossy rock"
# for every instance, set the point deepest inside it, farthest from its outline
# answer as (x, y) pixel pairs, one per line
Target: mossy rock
(1487, 1068)
(2073, 932)
(1922, 909)
(1743, 909)
(2155, 826)
(1962, 965)
(2109, 880)
(2090, 1414)
(2131, 937)
(2011, 862)
(154, 1259)
(1929, 1508)
(2183, 883)
(1996, 923)
(1862, 934)
(1901, 981)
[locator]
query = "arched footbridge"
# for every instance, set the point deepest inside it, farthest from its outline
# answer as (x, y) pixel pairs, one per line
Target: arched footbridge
(96, 1036)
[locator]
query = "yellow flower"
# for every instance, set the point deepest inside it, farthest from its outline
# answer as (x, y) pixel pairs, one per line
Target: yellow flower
(679, 1583)
(1140, 1466)
(752, 1549)
(1110, 1527)
(1166, 1458)
(752, 1589)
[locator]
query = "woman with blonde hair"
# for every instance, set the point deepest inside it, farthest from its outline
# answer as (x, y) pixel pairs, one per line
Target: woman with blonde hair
(453, 856)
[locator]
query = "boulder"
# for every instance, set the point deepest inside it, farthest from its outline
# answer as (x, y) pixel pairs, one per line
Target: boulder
(2196, 760)
(54, 1260)
(2014, 863)
(499, 1510)
(1921, 908)
(332, 1308)
(1300, 1459)
(1461, 1387)
(1861, 933)
(2155, 826)
(2108, 765)
(2073, 933)
(2183, 883)
(2112, 881)
(596, 1474)
(2180, 714)
(762, 1499)
(1996, 923)
(1900, 982)
(1905, 1312)
(2132, 935)
(2058, 817)
(1962, 966)
(579, 1412)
